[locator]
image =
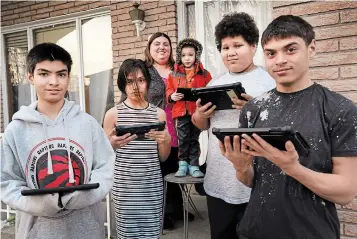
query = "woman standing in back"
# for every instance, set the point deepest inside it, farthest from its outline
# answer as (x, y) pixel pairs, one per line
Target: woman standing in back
(159, 59)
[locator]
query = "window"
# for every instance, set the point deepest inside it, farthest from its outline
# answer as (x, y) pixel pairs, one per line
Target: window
(91, 75)
(18, 90)
(201, 17)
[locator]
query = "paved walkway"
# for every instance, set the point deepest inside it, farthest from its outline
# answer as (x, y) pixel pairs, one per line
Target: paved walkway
(198, 229)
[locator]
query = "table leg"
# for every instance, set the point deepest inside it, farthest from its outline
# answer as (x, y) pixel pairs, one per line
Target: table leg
(194, 206)
(163, 209)
(184, 192)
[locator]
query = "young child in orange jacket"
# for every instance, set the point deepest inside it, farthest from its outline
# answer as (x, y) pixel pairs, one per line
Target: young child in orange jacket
(188, 73)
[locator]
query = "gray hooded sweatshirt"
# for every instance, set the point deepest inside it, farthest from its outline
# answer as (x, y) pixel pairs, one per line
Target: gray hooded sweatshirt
(26, 163)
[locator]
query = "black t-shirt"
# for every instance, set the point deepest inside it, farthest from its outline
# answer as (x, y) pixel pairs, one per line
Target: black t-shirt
(280, 207)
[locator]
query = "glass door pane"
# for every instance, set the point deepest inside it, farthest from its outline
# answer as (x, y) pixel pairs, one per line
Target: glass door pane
(18, 88)
(98, 65)
(64, 35)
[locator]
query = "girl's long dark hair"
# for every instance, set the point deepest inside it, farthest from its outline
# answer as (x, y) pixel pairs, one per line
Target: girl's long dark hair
(131, 66)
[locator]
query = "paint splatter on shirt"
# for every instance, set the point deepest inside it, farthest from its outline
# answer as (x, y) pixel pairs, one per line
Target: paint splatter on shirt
(281, 207)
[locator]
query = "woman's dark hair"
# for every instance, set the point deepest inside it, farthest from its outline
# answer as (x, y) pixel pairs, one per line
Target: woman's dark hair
(128, 67)
(47, 52)
(287, 26)
(237, 24)
(148, 58)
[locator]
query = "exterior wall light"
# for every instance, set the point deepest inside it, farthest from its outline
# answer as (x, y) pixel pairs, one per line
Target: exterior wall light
(137, 16)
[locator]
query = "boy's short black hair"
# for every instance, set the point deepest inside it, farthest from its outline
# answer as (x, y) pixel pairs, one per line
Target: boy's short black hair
(237, 24)
(131, 66)
(50, 52)
(287, 26)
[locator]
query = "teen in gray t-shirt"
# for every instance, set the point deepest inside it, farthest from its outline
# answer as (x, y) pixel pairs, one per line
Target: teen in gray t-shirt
(220, 180)
(237, 38)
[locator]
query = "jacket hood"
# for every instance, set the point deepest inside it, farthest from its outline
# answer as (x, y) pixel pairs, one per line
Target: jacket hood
(188, 42)
(31, 115)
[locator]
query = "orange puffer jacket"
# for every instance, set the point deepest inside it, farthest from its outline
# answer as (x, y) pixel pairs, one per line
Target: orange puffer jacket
(177, 79)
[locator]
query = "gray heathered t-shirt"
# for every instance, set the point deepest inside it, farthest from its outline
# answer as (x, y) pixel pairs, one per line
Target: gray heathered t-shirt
(220, 180)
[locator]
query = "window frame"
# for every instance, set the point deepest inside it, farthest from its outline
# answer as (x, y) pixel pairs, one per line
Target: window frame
(30, 27)
(199, 17)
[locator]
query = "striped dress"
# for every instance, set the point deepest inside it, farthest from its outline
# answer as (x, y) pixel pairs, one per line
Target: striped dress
(138, 187)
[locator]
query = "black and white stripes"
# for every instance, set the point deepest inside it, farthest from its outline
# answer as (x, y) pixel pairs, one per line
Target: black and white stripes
(138, 188)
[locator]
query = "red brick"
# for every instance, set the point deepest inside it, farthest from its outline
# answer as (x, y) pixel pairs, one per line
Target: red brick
(123, 17)
(348, 216)
(281, 11)
(79, 8)
(131, 51)
(47, 9)
(285, 3)
(120, 11)
(26, 14)
(340, 85)
(140, 56)
(64, 6)
(168, 28)
(148, 5)
(330, 59)
(114, 18)
(168, 15)
(9, 7)
(348, 43)
(52, 3)
(7, 23)
(158, 10)
(123, 34)
(40, 16)
(171, 21)
(126, 28)
(122, 23)
(10, 17)
(348, 15)
(21, 9)
(166, 3)
(125, 4)
(79, 3)
(6, 13)
(113, 6)
(348, 72)
(59, 12)
(334, 32)
(151, 30)
(171, 8)
(99, 4)
(39, 5)
(22, 19)
(125, 46)
(353, 205)
(323, 73)
(323, 6)
(156, 23)
(151, 18)
(323, 19)
(351, 230)
(327, 45)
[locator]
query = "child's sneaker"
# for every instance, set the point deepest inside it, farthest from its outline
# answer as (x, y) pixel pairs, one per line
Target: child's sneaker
(183, 168)
(195, 171)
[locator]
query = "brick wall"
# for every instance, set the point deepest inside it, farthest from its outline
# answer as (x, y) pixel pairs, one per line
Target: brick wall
(335, 64)
(159, 16)
(15, 12)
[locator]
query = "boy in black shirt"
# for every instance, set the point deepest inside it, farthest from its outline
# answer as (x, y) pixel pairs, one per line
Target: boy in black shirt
(293, 196)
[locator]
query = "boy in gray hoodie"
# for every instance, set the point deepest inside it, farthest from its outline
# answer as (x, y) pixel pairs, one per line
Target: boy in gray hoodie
(52, 143)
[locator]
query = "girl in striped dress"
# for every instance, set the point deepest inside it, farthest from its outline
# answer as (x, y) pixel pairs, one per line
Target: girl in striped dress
(138, 188)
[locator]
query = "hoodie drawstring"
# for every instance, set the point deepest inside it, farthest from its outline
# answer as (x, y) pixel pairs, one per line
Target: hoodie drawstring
(49, 157)
(70, 167)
